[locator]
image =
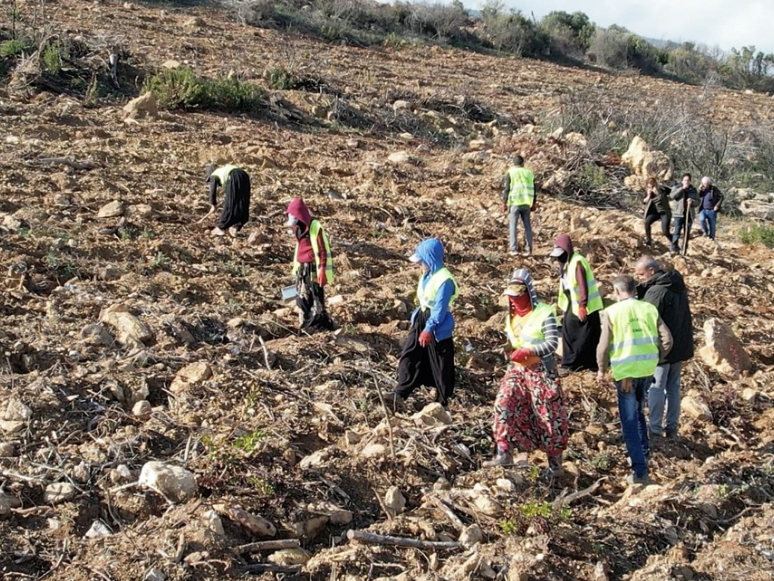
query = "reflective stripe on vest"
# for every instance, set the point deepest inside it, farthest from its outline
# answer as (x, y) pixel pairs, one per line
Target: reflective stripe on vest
(532, 331)
(522, 192)
(594, 300)
(223, 172)
(634, 350)
(426, 293)
(314, 231)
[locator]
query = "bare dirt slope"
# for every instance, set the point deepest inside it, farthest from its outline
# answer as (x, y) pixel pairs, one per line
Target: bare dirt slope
(102, 307)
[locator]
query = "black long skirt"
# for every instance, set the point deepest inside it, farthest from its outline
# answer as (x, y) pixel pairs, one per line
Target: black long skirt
(431, 366)
(310, 299)
(236, 206)
(579, 341)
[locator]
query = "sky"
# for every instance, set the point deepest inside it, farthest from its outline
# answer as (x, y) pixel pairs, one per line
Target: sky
(721, 23)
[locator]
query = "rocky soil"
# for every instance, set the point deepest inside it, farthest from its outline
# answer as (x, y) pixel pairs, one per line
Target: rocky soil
(161, 418)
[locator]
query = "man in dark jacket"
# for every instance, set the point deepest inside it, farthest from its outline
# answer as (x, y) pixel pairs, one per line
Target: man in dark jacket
(667, 292)
(683, 199)
(711, 200)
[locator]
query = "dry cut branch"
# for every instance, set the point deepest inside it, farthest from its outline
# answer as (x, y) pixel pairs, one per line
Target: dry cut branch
(374, 539)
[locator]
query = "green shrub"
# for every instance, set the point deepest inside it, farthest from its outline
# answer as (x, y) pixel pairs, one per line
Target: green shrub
(758, 233)
(11, 48)
(53, 57)
(280, 79)
(183, 89)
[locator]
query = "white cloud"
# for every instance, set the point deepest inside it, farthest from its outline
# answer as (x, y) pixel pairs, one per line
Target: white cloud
(711, 22)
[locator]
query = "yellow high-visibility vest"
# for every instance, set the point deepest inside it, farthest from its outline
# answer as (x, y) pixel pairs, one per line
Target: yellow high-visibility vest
(223, 172)
(522, 182)
(532, 330)
(426, 294)
(314, 231)
(594, 300)
(634, 349)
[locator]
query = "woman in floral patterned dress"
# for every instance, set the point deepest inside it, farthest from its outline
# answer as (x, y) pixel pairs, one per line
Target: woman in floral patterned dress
(529, 410)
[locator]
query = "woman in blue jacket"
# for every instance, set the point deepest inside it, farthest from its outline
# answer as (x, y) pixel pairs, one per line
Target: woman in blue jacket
(428, 353)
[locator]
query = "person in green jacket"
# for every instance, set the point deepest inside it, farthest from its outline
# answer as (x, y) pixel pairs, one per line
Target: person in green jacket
(519, 202)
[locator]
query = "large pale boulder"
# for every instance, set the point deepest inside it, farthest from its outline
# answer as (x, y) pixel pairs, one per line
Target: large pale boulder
(757, 209)
(722, 351)
(646, 162)
(144, 105)
(173, 482)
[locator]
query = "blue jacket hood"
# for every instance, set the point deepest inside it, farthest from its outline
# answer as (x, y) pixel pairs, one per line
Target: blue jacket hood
(430, 252)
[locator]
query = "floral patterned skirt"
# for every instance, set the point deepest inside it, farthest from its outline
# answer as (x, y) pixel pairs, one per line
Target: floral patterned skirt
(529, 411)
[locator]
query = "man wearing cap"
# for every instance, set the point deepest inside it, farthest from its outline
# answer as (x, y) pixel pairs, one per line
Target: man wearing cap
(428, 352)
(312, 266)
(519, 201)
(581, 302)
(634, 339)
(711, 200)
(529, 411)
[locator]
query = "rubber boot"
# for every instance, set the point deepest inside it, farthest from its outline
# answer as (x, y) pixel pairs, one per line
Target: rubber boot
(555, 468)
(503, 458)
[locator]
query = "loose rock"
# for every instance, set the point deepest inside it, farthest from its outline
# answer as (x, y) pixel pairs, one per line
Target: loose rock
(130, 330)
(723, 351)
(173, 482)
(142, 106)
(112, 209)
(289, 557)
(142, 410)
(432, 416)
(693, 404)
(190, 376)
(59, 492)
(394, 500)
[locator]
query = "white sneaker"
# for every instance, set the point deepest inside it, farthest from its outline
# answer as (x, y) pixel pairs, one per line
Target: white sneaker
(514, 253)
(217, 232)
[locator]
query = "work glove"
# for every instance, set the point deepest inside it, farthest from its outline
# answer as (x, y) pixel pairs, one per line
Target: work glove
(520, 355)
(626, 384)
(425, 338)
(582, 314)
(322, 280)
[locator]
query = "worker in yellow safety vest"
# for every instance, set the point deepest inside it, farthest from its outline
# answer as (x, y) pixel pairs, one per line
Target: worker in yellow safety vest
(634, 339)
(428, 352)
(519, 201)
(312, 266)
(529, 411)
(579, 297)
(236, 206)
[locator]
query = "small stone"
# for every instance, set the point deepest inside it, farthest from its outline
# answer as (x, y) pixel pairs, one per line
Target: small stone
(109, 273)
(315, 459)
(432, 416)
(59, 492)
(154, 575)
(120, 474)
(16, 411)
(336, 515)
(7, 503)
(214, 523)
(394, 500)
(82, 472)
(112, 209)
(173, 482)
(255, 524)
(749, 394)
(142, 410)
(353, 143)
(7, 450)
(191, 375)
(98, 530)
(693, 405)
(505, 485)
(130, 330)
(140, 211)
(471, 535)
(441, 484)
(171, 64)
(351, 438)
(399, 157)
(475, 156)
(401, 105)
(477, 144)
(374, 451)
(289, 557)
